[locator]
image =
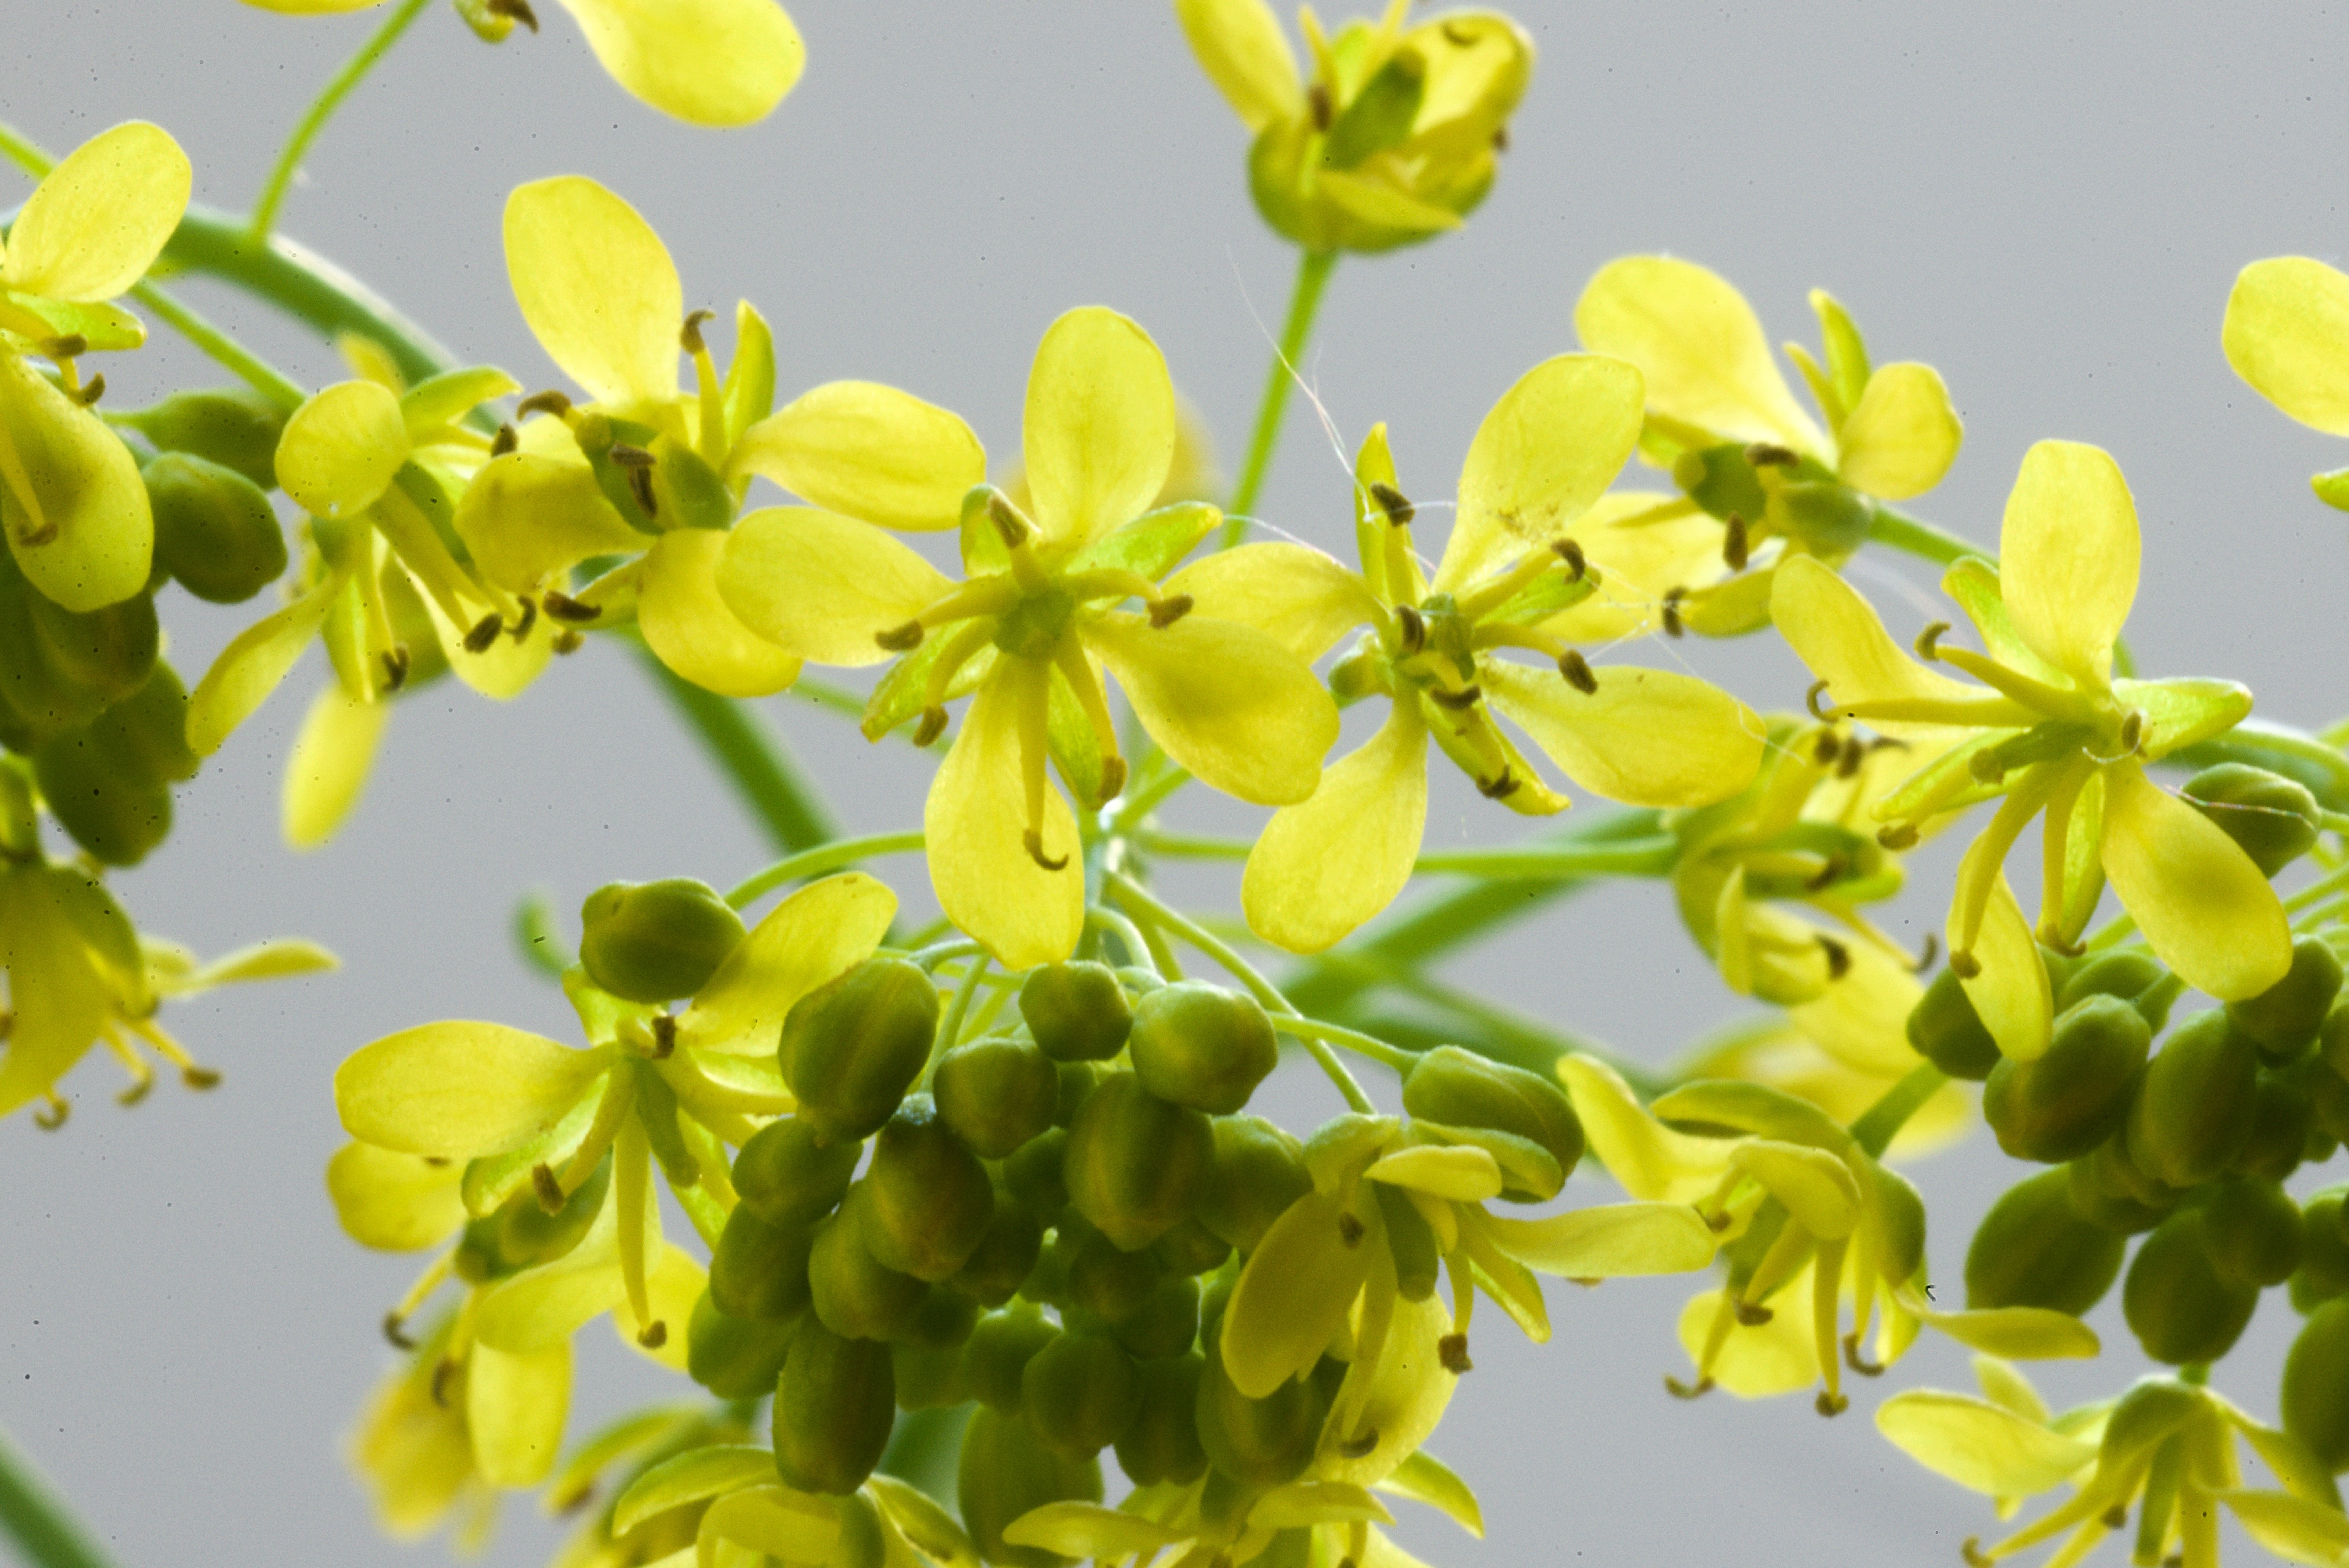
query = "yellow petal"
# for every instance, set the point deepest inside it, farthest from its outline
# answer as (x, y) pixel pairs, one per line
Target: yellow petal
(1757, 1361)
(1861, 1019)
(1637, 564)
(1478, 63)
(810, 939)
(397, 1203)
(341, 449)
(1399, 1400)
(527, 518)
(1646, 737)
(1611, 1241)
(822, 586)
(1652, 1161)
(514, 1407)
(2287, 333)
(707, 62)
(1305, 599)
(976, 818)
(598, 287)
(688, 626)
(1098, 431)
(57, 997)
(2293, 1528)
(1697, 341)
(330, 764)
(1423, 1477)
(2068, 556)
(455, 1090)
(1293, 1294)
(2202, 904)
(1088, 1530)
(1227, 701)
(250, 667)
(1372, 807)
(93, 540)
(1240, 44)
(1463, 1173)
(1840, 636)
(1903, 435)
(1549, 448)
(870, 451)
(2014, 1333)
(773, 1522)
(506, 667)
(2011, 993)
(1818, 1190)
(95, 224)
(689, 1477)
(1980, 1445)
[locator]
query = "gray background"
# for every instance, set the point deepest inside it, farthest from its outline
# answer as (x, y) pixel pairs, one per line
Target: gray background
(2045, 201)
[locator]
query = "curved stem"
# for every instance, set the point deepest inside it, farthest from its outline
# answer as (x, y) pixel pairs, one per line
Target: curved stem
(1654, 856)
(273, 193)
(1354, 1040)
(816, 861)
(1881, 1122)
(1313, 269)
(1915, 536)
(36, 1519)
(1137, 946)
(219, 346)
(951, 1026)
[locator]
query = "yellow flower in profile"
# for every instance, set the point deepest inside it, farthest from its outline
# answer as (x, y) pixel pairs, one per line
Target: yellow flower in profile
(71, 501)
(2054, 731)
(2287, 335)
(1029, 633)
(1723, 420)
(1529, 564)
(1395, 138)
(413, 1451)
(707, 62)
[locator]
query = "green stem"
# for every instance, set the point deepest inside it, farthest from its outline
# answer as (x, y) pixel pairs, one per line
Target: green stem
(1195, 846)
(1137, 806)
(246, 365)
(1650, 857)
(1137, 946)
(1313, 269)
(1915, 536)
(2309, 759)
(538, 939)
(763, 773)
(1881, 1122)
(273, 194)
(945, 952)
(2324, 887)
(824, 694)
(37, 1518)
(951, 1026)
(816, 861)
(24, 153)
(1354, 1040)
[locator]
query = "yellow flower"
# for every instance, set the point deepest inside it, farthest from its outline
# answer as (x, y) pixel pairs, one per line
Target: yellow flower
(1843, 1054)
(1722, 419)
(2287, 334)
(721, 1495)
(707, 62)
(1396, 139)
(1533, 551)
(71, 501)
(1030, 632)
(414, 1450)
(2052, 730)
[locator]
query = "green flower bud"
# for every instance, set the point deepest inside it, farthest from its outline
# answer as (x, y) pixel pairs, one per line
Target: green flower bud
(2033, 1250)
(1411, 1242)
(998, 1354)
(2285, 1018)
(2177, 1305)
(652, 942)
(1260, 1171)
(1006, 1254)
(1830, 519)
(1135, 1165)
(851, 1050)
(928, 1376)
(2193, 1110)
(2332, 1042)
(1004, 1471)
(2324, 1251)
(790, 1174)
(1033, 1175)
(1077, 1080)
(2252, 1230)
(1080, 1393)
(2315, 1400)
(734, 1358)
(853, 1294)
(833, 1410)
(1078, 1012)
(2272, 818)
(995, 1094)
(59, 669)
(1106, 1280)
(235, 426)
(945, 1322)
(926, 1201)
(758, 1270)
(1258, 1442)
(2102, 1200)
(863, 1542)
(1162, 1443)
(1720, 480)
(108, 783)
(1165, 1323)
(1047, 1282)
(1944, 1028)
(2131, 976)
(2328, 1101)
(1190, 1248)
(2075, 1097)
(2282, 1122)
(1457, 1088)
(521, 1233)
(216, 531)
(1200, 1046)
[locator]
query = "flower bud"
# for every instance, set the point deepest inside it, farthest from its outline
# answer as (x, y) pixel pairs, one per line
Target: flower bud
(1005, 1255)
(1076, 1080)
(759, 1270)
(944, 1322)
(2101, 1195)
(1410, 1240)
(2273, 818)
(2252, 1230)
(790, 1174)
(2332, 1042)
(1260, 1171)
(851, 1293)
(995, 1094)
(1258, 1442)
(734, 1358)
(1162, 1443)
(2324, 1251)
(1831, 520)
(1944, 1028)
(2131, 976)
(851, 1050)
(1134, 1164)
(521, 1233)
(2315, 1402)
(652, 942)
(1110, 1282)
(1200, 1046)
(2193, 1107)
(2069, 1100)
(108, 783)
(2283, 1020)
(2177, 1305)
(59, 668)
(998, 1354)
(1080, 1393)
(1456, 1088)
(1034, 1175)
(1006, 1471)
(926, 1201)
(216, 531)
(930, 1376)
(2328, 1103)
(833, 1410)
(1190, 1248)
(1721, 480)
(1165, 1323)
(1078, 1012)
(2033, 1250)
(233, 426)
(2282, 1122)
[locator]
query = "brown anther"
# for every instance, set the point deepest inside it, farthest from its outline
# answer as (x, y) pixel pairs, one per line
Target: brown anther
(91, 391)
(1838, 957)
(65, 347)
(572, 1501)
(504, 442)
(1350, 1230)
(51, 1117)
(1830, 1405)
(1033, 841)
(1009, 524)
(554, 403)
(1928, 951)
(664, 1027)
(2054, 942)
(933, 724)
(1499, 789)
(1452, 1351)
(1317, 99)
(485, 632)
(1578, 565)
(2132, 732)
(1500, 139)
(1454, 33)
(1852, 758)
(1771, 455)
(1897, 836)
(438, 1161)
(1737, 544)
(1964, 965)
(654, 1336)
(1972, 1552)
(1359, 1448)
(1987, 766)
(518, 9)
(688, 336)
(1856, 1361)
(1753, 1313)
(629, 457)
(1576, 671)
(1459, 701)
(1113, 780)
(444, 1369)
(2115, 1517)
(901, 639)
(1928, 645)
(396, 662)
(1811, 700)
(520, 630)
(1827, 748)
(1164, 613)
(567, 641)
(563, 607)
(1672, 597)
(1718, 1221)
(550, 1192)
(136, 1092)
(640, 486)
(1414, 629)
(197, 1078)
(1394, 502)
(394, 1331)
(1831, 874)
(1679, 1390)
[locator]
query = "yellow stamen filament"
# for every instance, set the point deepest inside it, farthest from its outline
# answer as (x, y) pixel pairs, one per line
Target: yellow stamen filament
(958, 651)
(142, 1077)
(20, 485)
(2056, 850)
(631, 1185)
(430, 1280)
(170, 1050)
(711, 440)
(1978, 873)
(1069, 657)
(1032, 700)
(2054, 702)
(1826, 1280)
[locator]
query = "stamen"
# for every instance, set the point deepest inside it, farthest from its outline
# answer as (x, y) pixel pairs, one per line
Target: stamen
(640, 486)
(504, 442)
(1500, 788)
(1164, 613)
(1452, 1351)
(1858, 1362)
(1672, 597)
(1010, 525)
(65, 347)
(53, 1116)
(520, 630)
(1811, 700)
(1317, 99)
(1972, 1552)
(688, 336)
(1350, 1230)
(1897, 836)
(567, 641)
(1753, 1313)
(485, 632)
(1735, 546)
(1576, 671)
(1930, 950)
(1578, 565)
(1853, 757)
(1679, 1390)
(1827, 748)
(629, 457)
(550, 1196)
(91, 391)
(199, 1079)
(1828, 875)
(1394, 502)
(933, 724)
(2115, 1517)
(1500, 139)
(563, 607)
(1359, 1448)
(1770, 455)
(2132, 732)
(1113, 782)
(1929, 640)
(1987, 766)
(901, 639)
(1964, 965)
(554, 403)
(1831, 1404)
(1033, 841)
(1414, 629)
(518, 9)
(392, 1331)
(1458, 701)
(654, 1336)
(664, 1036)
